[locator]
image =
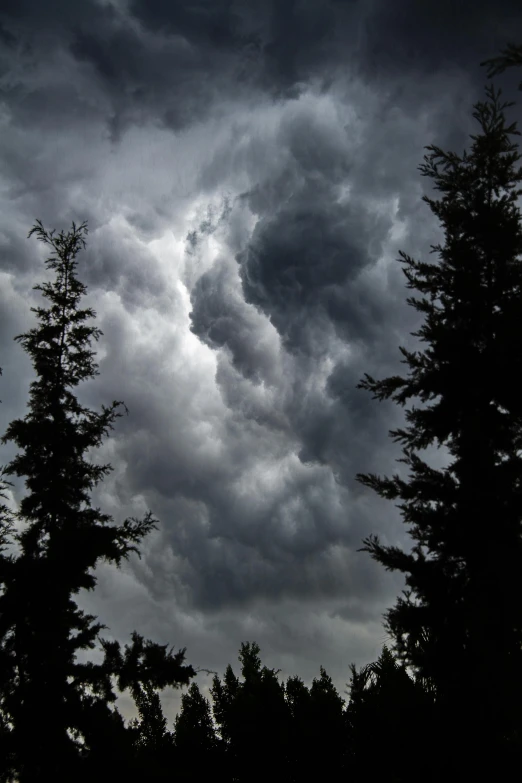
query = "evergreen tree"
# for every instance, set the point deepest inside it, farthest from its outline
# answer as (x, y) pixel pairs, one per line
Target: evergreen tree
(153, 744)
(318, 736)
(225, 697)
(59, 709)
(327, 751)
(302, 730)
(6, 560)
(384, 699)
(200, 753)
(459, 624)
(253, 719)
(284, 733)
(511, 56)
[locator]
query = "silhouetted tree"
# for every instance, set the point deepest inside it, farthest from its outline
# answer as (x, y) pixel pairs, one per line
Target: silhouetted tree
(200, 753)
(284, 733)
(318, 736)
(153, 744)
(6, 672)
(253, 719)
(301, 741)
(510, 56)
(459, 624)
(391, 712)
(328, 708)
(59, 708)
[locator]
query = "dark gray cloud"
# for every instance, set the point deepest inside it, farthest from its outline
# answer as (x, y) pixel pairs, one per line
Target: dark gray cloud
(416, 37)
(249, 174)
(220, 318)
(217, 24)
(302, 261)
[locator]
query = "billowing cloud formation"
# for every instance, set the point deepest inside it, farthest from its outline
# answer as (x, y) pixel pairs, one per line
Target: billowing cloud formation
(249, 173)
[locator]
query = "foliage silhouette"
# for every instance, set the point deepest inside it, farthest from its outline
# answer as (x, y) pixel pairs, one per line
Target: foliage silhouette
(251, 715)
(199, 751)
(384, 699)
(284, 732)
(318, 736)
(61, 540)
(459, 624)
(509, 57)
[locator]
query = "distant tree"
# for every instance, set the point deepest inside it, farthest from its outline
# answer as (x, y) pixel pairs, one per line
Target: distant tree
(153, 744)
(391, 712)
(302, 741)
(199, 751)
(224, 698)
(318, 737)
(151, 726)
(287, 733)
(253, 719)
(327, 719)
(459, 624)
(57, 708)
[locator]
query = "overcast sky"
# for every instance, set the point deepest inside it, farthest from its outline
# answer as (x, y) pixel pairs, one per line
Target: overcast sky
(248, 171)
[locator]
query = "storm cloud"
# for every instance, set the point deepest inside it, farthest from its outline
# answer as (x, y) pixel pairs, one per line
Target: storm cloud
(249, 173)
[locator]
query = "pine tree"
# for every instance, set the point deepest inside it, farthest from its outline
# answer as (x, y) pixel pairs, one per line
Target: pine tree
(253, 719)
(302, 729)
(510, 56)
(153, 743)
(329, 727)
(459, 624)
(58, 708)
(200, 753)
(318, 736)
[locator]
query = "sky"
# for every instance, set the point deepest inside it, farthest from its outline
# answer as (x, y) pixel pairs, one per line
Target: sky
(248, 172)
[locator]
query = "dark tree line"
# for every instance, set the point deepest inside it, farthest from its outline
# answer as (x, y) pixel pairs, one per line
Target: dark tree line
(259, 728)
(445, 701)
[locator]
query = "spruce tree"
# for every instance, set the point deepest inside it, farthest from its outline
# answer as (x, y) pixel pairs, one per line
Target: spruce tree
(301, 740)
(317, 746)
(199, 752)
(459, 622)
(58, 709)
(253, 719)
(328, 757)
(153, 744)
